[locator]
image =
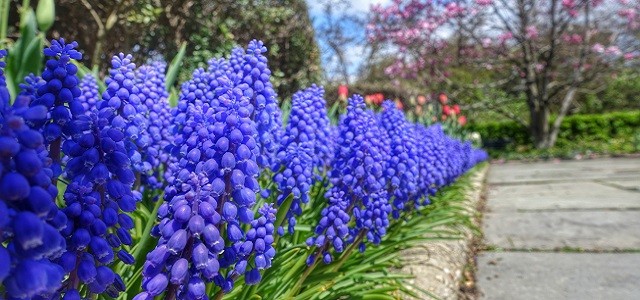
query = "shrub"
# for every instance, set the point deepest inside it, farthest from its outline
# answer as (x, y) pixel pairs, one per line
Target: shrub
(616, 132)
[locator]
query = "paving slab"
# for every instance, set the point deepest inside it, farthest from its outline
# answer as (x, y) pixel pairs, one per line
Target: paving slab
(580, 195)
(632, 184)
(548, 230)
(514, 173)
(523, 276)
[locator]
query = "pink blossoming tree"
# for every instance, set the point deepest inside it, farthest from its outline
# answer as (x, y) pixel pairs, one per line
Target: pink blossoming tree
(544, 50)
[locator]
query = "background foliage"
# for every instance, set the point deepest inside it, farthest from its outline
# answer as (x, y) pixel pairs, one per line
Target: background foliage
(607, 133)
(157, 28)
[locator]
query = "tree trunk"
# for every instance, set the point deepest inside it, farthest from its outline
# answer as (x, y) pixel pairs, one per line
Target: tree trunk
(539, 127)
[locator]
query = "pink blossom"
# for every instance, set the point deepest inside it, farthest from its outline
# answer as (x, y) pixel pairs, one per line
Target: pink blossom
(631, 15)
(629, 56)
(486, 42)
(531, 32)
(572, 39)
(568, 4)
(505, 36)
(484, 2)
(613, 50)
(598, 48)
(576, 39)
(453, 10)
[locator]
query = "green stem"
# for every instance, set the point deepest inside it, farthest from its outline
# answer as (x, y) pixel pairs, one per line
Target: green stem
(218, 295)
(251, 291)
(304, 276)
(345, 254)
(147, 228)
(4, 21)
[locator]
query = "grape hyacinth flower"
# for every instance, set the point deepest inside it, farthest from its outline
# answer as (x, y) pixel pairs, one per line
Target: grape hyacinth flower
(220, 66)
(60, 96)
(90, 94)
(436, 136)
(429, 175)
(30, 221)
(294, 178)
(259, 242)
(358, 185)
(297, 156)
(123, 95)
(323, 148)
(210, 196)
(151, 84)
(197, 90)
(30, 86)
(402, 170)
(266, 114)
(100, 179)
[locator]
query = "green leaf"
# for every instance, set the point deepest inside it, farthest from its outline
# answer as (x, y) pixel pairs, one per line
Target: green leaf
(32, 58)
(282, 211)
(4, 21)
(174, 67)
(377, 297)
(173, 97)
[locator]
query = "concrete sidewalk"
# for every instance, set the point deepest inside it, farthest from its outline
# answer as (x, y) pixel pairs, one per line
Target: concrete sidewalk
(562, 230)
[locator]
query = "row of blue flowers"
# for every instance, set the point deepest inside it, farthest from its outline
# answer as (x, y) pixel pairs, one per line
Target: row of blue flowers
(227, 178)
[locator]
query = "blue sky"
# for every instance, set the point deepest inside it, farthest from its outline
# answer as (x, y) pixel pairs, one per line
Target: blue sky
(354, 54)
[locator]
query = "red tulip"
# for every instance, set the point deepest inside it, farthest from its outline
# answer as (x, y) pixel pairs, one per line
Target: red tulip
(446, 110)
(443, 98)
(456, 109)
(462, 120)
(343, 92)
(399, 104)
(422, 99)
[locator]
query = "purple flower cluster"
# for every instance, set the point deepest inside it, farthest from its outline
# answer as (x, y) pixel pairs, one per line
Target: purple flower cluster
(99, 192)
(379, 160)
(259, 242)
(123, 94)
(251, 69)
(30, 86)
(403, 164)
(206, 154)
(90, 94)
(305, 148)
(152, 92)
(429, 178)
(211, 193)
(358, 184)
(319, 120)
(30, 221)
(59, 94)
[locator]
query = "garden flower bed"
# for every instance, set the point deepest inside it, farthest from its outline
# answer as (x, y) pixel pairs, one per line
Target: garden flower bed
(108, 191)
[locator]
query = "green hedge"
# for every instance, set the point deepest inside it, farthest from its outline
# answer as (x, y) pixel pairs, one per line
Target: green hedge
(611, 133)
